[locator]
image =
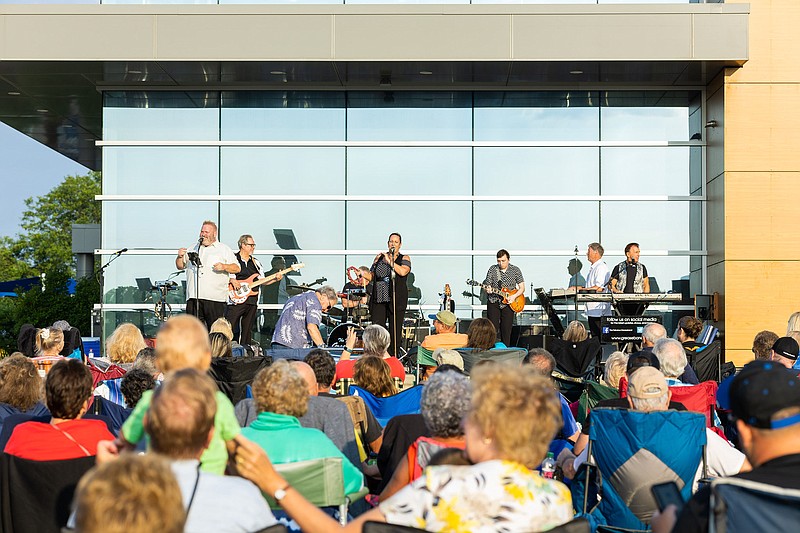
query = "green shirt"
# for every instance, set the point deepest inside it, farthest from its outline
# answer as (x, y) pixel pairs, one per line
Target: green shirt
(286, 441)
(226, 428)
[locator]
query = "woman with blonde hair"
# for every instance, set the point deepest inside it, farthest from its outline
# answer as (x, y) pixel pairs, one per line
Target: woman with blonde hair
(794, 323)
(123, 345)
(512, 417)
(49, 342)
(372, 374)
(575, 332)
(221, 345)
(21, 388)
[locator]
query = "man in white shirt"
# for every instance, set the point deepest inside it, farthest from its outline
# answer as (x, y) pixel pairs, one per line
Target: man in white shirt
(208, 265)
(596, 280)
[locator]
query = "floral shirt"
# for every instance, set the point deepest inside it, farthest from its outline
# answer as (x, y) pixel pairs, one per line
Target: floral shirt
(497, 496)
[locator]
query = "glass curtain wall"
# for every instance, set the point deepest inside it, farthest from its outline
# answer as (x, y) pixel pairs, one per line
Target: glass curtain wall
(323, 178)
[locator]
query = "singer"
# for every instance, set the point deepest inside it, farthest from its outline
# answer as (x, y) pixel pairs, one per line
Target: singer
(389, 297)
(208, 266)
(630, 275)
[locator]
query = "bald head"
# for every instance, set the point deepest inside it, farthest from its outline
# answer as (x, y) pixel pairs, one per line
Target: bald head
(307, 373)
(651, 333)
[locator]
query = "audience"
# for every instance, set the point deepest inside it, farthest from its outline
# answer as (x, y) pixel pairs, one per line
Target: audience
(20, 388)
(482, 335)
(575, 332)
(146, 360)
(372, 374)
(615, 369)
(785, 352)
(445, 336)
(124, 344)
(133, 385)
(762, 344)
(68, 388)
(376, 342)
(672, 360)
(49, 342)
(794, 323)
(221, 345)
(444, 356)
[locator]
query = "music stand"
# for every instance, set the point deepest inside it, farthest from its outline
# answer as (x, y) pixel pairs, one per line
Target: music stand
(286, 240)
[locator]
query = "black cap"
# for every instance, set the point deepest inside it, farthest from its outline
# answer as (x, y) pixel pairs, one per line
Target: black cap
(762, 389)
(643, 358)
(786, 347)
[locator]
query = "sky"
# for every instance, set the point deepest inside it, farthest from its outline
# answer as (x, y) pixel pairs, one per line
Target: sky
(27, 168)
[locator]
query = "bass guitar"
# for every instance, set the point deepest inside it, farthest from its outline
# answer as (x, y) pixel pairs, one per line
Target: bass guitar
(246, 286)
(517, 305)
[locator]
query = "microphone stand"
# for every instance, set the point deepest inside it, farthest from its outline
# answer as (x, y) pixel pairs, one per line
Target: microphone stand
(393, 324)
(195, 260)
(576, 285)
(101, 280)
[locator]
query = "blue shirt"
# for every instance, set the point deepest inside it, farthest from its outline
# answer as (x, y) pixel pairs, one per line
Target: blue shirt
(292, 327)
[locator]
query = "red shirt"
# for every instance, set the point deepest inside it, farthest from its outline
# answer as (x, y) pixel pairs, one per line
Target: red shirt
(344, 369)
(40, 441)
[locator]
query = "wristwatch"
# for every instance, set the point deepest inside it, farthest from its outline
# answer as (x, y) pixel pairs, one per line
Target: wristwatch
(281, 493)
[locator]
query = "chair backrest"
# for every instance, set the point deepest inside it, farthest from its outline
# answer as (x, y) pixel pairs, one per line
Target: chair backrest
(577, 359)
(383, 527)
(358, 412)
(701, 398)
(576, 525)
(320, 481)
(37, 495)
(707, 362)
(234, 374)
(741, 506)
(403, 403)
(635, 450)
(471, 356)
(593, 393)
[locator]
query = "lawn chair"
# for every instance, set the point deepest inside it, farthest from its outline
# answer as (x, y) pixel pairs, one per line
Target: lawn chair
(403, 403)
(741, 506)
(576, 362)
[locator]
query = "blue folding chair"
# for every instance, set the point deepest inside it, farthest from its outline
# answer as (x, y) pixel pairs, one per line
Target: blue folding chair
(403, 403)
(742, 506)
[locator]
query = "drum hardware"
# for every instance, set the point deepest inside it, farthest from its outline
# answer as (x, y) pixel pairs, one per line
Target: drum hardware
(162, 309)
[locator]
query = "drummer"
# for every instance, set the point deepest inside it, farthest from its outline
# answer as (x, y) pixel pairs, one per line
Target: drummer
(351, 290)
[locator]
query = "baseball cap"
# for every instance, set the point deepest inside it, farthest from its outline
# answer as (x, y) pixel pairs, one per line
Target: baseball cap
(647, 382)
(762, 389)
(445, 317)
(786, 347)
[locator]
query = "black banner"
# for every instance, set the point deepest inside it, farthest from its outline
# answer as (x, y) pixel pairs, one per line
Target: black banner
(625, 328)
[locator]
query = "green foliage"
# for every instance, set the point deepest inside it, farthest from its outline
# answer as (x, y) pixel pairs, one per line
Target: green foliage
(11, 267)
(46, 241)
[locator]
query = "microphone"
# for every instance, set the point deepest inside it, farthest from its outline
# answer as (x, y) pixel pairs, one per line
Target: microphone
(391, 250)
(120, 252)
(200, 240)
(576, 249)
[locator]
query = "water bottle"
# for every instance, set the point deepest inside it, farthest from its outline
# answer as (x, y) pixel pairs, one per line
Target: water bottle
(549, 466)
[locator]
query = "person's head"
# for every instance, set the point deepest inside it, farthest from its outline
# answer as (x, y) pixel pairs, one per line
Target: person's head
(307, 373)
(446, 356)
(640, 360)
(445, 400)
(765, 402)
(594, 252)
(180, 420)
(222, 325)
(395, 241)
(785, 351)
(123, 345)
(376, 340)
(247, 244)
(68, 388)
(49, 341)
(671, 357)
(363, 276)
(514, 415)
(221, 345)
(182, 342)
(648, 391)
(762, 344)
(689, 328)
(445, 322)
(542, 361)
(133, 384)
(208, 232)
(327, 297)
(280, 389)
(574, 266)
(481, 334)
(20, 384)
(632, 252)
(278, 262)
(146, 360)
(575, 332)
(615, 369)
(794, 323)
(324, 366)
(373, 374)
(652, 332)
(503, 258)
(134, 494)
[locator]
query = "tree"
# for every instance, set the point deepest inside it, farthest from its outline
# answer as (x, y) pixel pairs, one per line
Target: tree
(46, 241)
(11, 267)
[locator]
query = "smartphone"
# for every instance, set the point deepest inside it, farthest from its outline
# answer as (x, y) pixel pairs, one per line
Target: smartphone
(666, 494)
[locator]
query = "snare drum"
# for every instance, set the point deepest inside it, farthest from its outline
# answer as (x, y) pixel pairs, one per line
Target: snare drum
(338, 336)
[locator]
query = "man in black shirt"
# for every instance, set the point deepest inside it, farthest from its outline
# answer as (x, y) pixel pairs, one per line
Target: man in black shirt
(242, 316)
(765, 401)
(630, 276)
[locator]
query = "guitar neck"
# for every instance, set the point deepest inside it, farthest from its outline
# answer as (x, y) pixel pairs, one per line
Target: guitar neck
(270, 277)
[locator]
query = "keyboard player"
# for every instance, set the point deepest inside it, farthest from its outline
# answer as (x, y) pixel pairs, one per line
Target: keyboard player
(596, 280)
(630, 276)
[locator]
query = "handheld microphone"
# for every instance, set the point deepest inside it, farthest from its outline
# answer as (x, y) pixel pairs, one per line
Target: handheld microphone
(200, 240)
(391, 250)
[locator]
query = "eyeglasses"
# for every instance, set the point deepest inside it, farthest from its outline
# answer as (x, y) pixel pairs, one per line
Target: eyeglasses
(250, 244)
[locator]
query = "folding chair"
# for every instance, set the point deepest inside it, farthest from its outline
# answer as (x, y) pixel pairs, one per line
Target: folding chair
(742, 506)
(700, 398)
(576, 362)
(321, 482)
(707, 362)
(403, 403)
(593, 393)
(234, 374)
(634, 450)
(472, 357)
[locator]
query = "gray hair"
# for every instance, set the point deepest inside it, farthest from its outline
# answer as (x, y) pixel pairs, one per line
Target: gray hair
(648, 405)
(445, 400)
(616, 366)
(653, 332)
(376, 339)
(243, 239)
(329, 293)
(597, 247)
(146, 360)
(671, 357)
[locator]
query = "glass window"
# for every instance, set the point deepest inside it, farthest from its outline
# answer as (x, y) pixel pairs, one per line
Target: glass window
(417, 171)
(160, 170)
(423, 225)
(122, 287)
(644, 123)
(282, 170)
(286, 225)
(534, 225)
(536, 171)
(161, 116)
(655, 225)
(645, 171)
(157, 225)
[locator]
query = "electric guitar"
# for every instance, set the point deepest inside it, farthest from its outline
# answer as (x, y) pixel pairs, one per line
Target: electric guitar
(517, 305)
(246, 286)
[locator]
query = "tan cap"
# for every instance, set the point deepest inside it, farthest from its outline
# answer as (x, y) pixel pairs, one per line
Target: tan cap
(647, 382)
(446, 317)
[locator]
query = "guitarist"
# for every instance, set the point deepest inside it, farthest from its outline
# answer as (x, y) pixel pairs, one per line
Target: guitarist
(243, 316)
(503, 275)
